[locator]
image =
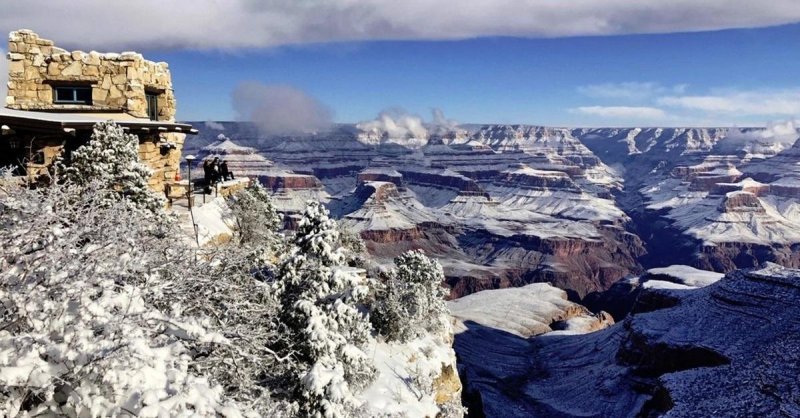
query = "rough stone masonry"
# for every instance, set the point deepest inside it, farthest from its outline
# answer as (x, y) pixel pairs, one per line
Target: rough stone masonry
(119, 84)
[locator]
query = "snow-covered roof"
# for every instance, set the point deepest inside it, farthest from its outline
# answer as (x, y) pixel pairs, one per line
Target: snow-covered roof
(39, 120)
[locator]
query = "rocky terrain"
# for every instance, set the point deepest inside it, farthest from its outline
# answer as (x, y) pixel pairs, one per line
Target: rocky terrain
(725, 198)
(507, 205)
(727, 349)
(638, 225)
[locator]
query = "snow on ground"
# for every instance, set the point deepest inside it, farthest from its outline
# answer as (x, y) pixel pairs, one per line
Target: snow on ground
(688, 276)
(665, 285)
(523, 311)
(213, 219)
(405, 373)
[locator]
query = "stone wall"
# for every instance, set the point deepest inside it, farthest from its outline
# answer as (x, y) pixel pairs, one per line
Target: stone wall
(162, 153)
(119, 84)
(118, 81)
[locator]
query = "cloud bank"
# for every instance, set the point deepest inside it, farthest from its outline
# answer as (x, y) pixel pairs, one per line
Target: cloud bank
(280, 110)
(755, 102)
(632, 90)
(256, 23)
(631, 102)
(400, 127)
(210, 124)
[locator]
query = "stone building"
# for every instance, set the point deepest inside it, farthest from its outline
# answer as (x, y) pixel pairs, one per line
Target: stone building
(56, 96)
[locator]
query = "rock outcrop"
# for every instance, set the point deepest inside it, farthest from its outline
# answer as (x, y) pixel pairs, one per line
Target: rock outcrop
(727, 349)
(526, 311)
(644, 293)
(711, 198)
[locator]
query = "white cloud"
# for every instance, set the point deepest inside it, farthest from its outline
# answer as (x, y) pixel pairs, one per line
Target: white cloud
(210, 124)
(750, 103)
(632, 90)
(397, 126)
(400, 127)
(278, 110)
(103, 24)
(626, 112)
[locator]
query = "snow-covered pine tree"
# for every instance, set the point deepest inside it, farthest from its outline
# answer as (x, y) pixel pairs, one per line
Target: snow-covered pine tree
(355, 250)
(257, 223)
(325, 331)
(412, 301)
(111, 159)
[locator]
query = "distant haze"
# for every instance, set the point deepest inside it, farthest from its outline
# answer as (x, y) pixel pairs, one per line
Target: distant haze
(280, 110)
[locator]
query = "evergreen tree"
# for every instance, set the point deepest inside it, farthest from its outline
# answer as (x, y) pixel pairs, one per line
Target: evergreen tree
(325, 331)
(111, 160)
(257, 223)
(413, 298)
(355, 250)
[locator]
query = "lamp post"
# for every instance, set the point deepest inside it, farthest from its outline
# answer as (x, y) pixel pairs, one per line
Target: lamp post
(189, 160)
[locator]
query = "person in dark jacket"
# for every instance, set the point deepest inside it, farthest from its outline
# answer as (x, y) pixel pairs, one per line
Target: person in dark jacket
(208, 176)
(216, 177)
(207, 171)
(223, 170)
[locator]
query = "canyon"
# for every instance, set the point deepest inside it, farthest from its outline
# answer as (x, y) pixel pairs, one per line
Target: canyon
(508, 205)
(593, 272)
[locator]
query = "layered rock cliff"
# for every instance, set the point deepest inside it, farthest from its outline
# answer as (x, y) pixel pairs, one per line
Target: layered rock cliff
(727, 349)
(508, 205)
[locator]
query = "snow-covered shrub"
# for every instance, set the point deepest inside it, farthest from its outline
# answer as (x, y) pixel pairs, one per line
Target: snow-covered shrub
(353, 245)
(222, 289)
(318, 298)
(257, 224)
(80, 332)
(412, 300)
(255, 214)
(110, 161)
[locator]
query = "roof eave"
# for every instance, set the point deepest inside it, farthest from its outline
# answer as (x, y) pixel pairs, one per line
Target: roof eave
(43, 125)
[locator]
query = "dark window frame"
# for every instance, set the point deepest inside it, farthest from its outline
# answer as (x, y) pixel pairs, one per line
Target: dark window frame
(80, 94)
(151, 98)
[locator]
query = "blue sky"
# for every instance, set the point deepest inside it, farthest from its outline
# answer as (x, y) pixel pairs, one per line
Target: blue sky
(512, 80)
(578, 63)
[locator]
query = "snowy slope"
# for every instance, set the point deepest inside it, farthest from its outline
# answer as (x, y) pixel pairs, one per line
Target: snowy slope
(525, 311)
(728, 349)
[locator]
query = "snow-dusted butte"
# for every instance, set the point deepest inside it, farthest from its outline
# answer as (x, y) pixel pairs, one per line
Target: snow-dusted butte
(717, 199)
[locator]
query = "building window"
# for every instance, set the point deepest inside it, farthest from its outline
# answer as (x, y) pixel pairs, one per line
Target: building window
(72, 95)
(152, 106)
